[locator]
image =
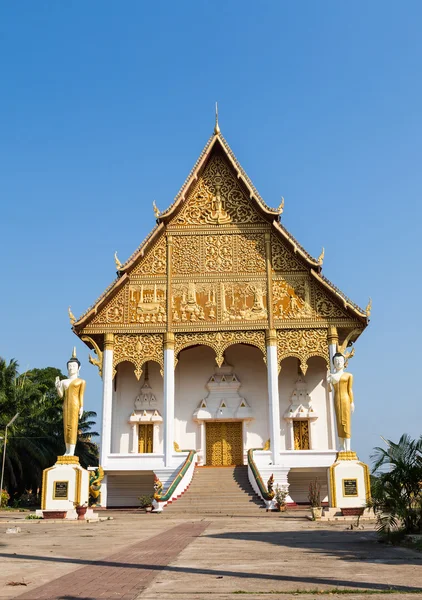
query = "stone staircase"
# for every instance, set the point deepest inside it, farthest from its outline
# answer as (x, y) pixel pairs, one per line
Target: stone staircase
(223, 491)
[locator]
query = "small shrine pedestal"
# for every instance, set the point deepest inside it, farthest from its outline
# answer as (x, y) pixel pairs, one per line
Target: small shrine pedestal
(65, 486)
(350, 487)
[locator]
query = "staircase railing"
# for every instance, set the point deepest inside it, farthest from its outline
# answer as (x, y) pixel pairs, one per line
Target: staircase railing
(262, 488)
(179, 483)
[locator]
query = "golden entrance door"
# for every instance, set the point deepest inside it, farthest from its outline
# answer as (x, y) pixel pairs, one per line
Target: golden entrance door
(224, 444)
(145, 437)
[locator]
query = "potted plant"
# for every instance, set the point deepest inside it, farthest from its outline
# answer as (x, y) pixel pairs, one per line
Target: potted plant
(280, 498)
(314, 497)
(146, 502)
(81, 510)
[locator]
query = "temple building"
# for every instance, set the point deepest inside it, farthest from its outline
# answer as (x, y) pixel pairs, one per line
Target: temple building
(213, 344)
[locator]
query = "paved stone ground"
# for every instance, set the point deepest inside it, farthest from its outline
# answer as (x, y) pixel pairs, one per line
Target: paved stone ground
(274, 558)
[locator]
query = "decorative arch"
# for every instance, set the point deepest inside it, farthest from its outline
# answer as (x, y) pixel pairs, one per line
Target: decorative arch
(303, 344)
(219, 341)
(138, 349)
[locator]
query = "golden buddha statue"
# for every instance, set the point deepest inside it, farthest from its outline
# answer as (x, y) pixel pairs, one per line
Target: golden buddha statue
(72, 391)
(341, 384)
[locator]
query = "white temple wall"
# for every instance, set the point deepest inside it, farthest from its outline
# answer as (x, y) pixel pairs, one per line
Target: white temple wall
(194, 369)
(316, 387)
(127, 388)
(251, 370)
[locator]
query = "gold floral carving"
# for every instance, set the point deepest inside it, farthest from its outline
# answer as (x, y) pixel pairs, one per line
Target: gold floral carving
(325, 307)
(154, 262)
(245, 301)
(251, 253)
(283, 259)
(186, 255)
(219, 253)
(114, 312)
(217, 197)
(138, 349)
(147, 303)
(194, 302)
(303, 344)
(220, 341)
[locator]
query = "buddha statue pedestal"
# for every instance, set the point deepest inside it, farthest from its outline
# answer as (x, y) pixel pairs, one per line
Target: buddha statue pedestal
(349, 483)
(64, 487)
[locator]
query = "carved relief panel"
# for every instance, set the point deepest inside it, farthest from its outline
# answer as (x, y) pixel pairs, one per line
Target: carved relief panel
(219, 253)
(114, 312)
(243, 301)
(194, 302)
(147, 303)
(283, 259)
(325, 307)
(251, 253)
(187, 253)
(154, 262)
(291, 299)
(217, 198)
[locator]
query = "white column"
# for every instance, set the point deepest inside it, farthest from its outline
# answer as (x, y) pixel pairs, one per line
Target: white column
(274, 402)
(202, 449)
(168, 398)
(155, 438)
(332, 349)
(107, 398)
(104, 492)
(135, 438)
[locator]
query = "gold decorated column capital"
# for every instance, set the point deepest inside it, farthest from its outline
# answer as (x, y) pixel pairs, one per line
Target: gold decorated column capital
(108, 341)
(267, 239)
(169, 340)
(271, 337)
(332, 335)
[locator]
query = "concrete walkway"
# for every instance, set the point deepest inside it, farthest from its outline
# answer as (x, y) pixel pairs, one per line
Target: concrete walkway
(152, 557)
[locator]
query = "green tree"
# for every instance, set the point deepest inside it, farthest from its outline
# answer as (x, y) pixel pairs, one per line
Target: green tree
(397, 487)
(36, 437)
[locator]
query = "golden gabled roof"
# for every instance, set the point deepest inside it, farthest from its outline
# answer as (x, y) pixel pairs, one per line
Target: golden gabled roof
(270, 214)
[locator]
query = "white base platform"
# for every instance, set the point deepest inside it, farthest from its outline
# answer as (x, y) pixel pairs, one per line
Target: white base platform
(65, 485)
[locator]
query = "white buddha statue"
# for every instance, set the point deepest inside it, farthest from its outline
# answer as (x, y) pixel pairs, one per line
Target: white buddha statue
(341, 384)
(72, 391)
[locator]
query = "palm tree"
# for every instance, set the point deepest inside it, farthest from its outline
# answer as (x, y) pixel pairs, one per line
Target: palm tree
(397, 487)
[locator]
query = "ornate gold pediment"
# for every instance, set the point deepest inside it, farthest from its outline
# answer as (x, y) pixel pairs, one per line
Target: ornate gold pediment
(217, 198)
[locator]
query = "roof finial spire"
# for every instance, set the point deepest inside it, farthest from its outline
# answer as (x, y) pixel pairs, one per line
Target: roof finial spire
(217, 127)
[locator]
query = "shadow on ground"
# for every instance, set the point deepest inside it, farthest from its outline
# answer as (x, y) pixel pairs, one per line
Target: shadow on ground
(347, 545)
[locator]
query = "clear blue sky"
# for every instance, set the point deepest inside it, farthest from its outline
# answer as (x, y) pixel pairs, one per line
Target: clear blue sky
(105, 106)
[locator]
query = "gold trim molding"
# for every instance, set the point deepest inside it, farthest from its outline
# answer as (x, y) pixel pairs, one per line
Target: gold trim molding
(271, 337)
(67, 460)
(302, 344)
(108, 341)
(220, 341)
(138, 349)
